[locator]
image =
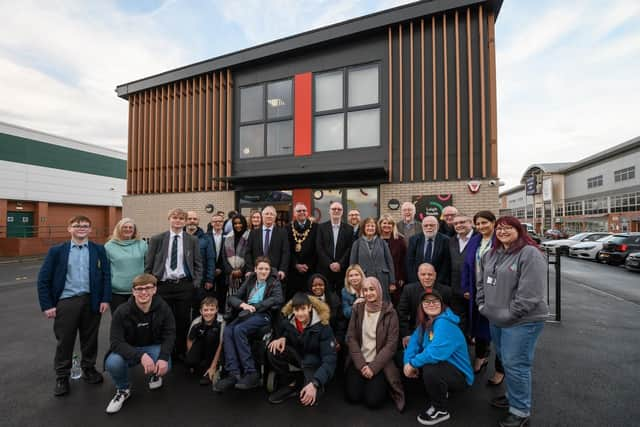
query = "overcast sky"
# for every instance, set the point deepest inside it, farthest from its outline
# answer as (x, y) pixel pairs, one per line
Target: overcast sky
(567, 71)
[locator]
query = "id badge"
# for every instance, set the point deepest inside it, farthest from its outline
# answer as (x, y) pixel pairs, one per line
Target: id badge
(491, 280)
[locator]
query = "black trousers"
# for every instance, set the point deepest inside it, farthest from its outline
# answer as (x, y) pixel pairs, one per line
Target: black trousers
(178, 295)
(202, 352)
(439, 379)
(460, 306)
(117, 300)
(73, 316)
(372, 392)
(483, 349)
(281, 363)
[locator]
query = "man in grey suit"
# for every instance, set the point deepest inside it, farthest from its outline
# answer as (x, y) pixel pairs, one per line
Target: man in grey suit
(174, 259)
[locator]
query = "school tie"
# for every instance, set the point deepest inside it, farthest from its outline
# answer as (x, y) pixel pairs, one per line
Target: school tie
(428, 250)
(174, 253)
(265, 249)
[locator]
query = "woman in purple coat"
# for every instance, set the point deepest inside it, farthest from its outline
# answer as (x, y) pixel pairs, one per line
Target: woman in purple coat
(479, 244)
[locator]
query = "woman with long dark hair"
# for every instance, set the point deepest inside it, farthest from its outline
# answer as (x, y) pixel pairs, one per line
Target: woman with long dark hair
(439, 349)
(510, 293)
(233, 252)
(479, 244)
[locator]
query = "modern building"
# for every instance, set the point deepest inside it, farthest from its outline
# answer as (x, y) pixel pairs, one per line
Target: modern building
(598, 193)
(45, 180)
(395, 106)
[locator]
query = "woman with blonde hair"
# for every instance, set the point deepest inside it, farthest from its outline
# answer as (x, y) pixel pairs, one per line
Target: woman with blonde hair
(126, 252)
(398, 247)
(352, 291)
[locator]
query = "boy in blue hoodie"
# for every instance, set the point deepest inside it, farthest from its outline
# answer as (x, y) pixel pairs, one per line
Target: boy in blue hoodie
(438, 349)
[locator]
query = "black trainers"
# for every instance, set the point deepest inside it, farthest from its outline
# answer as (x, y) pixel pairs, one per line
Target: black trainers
(225, 384)
(513, 420)
(91, 376)
(205, 380)
(433, 416)
(249, 381)
(283, 394)
(500, 402)
(62, 386)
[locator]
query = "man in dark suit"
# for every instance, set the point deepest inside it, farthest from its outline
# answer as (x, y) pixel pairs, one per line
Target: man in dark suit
(269, 241)
(412, 296)
(333, 247)
(302, 245)
(174, 259)
(446, 223)
(428, 246)
(74, 289)
(220, 280)
(354, 220)
(458, 252)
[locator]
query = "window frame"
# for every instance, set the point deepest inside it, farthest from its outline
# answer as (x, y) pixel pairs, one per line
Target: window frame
(345, 109)
(624, 174)
(265, 121)
(595, 181)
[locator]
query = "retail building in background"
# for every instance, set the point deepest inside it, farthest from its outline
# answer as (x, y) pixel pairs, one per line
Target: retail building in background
(47, 179)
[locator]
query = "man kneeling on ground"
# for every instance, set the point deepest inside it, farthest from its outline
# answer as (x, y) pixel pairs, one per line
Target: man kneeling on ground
(143, 331)
(306, 343)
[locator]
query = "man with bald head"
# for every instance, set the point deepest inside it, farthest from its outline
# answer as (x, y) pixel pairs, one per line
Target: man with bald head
(429, 246)
(333, 246)
(271, 241)
(412, 296)
(408, 227)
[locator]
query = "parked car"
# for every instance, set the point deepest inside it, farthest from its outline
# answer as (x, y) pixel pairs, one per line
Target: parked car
(532, 232)
(562, 246)
(589, 250)
(615, 251)
(632, 263)
(553, 233)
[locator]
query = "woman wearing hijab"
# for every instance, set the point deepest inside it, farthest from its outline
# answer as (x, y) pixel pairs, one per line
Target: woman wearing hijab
(372, 254)
(438, 348)
(372, 340)
(126, 252)
(511, 294)
(235, 247)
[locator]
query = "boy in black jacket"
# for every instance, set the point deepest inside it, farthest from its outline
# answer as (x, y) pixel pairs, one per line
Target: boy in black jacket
(143, 331)
(204, 341)
(305, 340)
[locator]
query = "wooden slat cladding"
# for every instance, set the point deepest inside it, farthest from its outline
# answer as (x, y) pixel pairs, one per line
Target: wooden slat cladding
(442, 97)
(180, 136)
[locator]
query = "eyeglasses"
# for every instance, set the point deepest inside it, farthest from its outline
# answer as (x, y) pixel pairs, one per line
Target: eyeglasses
(141, 289)
(449, 215)
(504, 229)
(81, 226)
(431, 302)
(336, 209)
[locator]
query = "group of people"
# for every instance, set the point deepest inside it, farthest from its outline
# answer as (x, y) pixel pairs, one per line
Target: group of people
(379, 298)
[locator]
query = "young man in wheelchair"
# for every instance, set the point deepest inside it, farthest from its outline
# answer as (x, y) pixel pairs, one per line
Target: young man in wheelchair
(252, 306)
(303, 355)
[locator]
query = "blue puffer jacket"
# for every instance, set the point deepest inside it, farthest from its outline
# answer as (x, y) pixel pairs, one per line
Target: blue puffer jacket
(444, 343)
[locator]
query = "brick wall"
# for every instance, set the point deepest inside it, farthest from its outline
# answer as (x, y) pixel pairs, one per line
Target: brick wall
(150, 211)
(486, 198)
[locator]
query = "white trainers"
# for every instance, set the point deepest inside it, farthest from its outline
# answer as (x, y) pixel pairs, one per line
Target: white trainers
(118, 400)
(155, 382)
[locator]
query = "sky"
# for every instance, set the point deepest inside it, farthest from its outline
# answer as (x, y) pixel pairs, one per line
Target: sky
(567, 71)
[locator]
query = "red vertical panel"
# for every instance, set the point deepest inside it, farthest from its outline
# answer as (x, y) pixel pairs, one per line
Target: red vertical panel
(302, 116)
(302, 195)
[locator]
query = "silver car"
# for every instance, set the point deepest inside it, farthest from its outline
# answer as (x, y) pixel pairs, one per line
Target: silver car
(589, 250)
(563, 245)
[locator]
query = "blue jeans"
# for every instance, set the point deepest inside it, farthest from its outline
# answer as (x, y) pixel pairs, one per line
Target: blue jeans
(118, 366)
(237, 349)
(516, 346)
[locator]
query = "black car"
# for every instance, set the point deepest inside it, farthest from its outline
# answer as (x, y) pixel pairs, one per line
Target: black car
(615, 251)
(633, 262)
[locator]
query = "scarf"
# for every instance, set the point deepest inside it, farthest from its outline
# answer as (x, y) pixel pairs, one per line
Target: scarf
(374, 307)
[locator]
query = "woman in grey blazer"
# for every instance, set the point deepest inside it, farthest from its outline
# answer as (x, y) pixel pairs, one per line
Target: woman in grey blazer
(373, 255)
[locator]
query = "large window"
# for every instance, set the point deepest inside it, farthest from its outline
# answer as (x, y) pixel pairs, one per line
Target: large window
(624, 174)
(347, 108)
(595, 206)
(627, 202)
(266, 119)
(363, 199)
(574, 208)
(596, 181)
